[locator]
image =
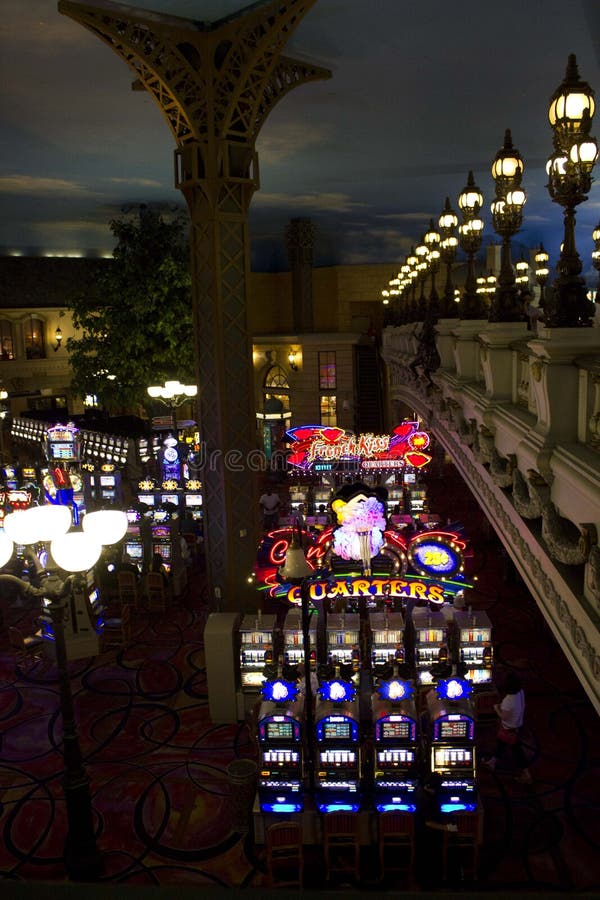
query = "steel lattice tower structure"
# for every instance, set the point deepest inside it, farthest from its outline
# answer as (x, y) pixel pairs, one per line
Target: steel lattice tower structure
(215, 84)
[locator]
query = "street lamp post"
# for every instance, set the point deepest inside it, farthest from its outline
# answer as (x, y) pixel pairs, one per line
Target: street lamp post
(507, 216)
(470, 201)
(569, 181)
(596, 256)
(76, 553)
(172, 394)
(447, 223)
(432, 241)
(541, 272)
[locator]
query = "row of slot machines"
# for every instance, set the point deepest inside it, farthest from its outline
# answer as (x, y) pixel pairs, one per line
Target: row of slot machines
(383, 766)
(438, 643)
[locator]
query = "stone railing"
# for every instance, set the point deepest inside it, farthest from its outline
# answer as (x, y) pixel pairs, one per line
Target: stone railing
(520, 416)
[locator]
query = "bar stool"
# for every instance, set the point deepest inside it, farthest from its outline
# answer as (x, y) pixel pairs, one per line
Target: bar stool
(341, 843)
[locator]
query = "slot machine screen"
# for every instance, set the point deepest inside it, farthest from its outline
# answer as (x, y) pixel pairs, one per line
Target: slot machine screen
(146, 499)
(448, 758)
(193, 499)
(170, 498)
(410, 478)
(337, 757)
(280, 757)
(336, 731)
(395, 730)
(161, 531)
(134, 550)
(278, 731)
(451, 729)
(62, 450)
(107, 481)
(163, 550)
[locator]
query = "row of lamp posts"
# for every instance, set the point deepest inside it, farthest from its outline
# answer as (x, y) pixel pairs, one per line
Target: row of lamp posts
(569, 171)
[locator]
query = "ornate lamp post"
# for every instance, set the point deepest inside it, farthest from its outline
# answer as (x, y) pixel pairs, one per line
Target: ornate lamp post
(412, 262)
(447, 224)
(522, 276)
(541, 272)
(76, 553)
(596, 256)
(507, 216)
(569, 181)
(470, 201)
(432, 240)
(421, 252)
(172, 394)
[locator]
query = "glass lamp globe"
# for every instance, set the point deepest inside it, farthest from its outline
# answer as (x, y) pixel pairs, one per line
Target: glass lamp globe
(572, 104)
(105, 525)
(516, 198)
(76, 551)
(596, 233)
(39, 523)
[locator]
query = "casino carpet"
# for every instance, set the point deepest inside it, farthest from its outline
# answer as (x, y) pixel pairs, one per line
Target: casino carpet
(158, 767)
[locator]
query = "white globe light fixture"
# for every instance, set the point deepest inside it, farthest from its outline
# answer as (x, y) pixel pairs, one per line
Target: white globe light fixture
(108, 526)
(76, 551)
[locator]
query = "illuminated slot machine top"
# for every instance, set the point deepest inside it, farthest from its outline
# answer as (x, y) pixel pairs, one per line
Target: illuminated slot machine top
(474, 633)
(343, 638)
(256, 649)
(293, 638)
(431, 643)
(387, 637)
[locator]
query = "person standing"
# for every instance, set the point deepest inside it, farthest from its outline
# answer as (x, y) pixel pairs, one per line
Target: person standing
(269, 503)
(511, 712)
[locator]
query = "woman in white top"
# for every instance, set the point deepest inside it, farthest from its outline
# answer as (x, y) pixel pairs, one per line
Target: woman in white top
(511, 712)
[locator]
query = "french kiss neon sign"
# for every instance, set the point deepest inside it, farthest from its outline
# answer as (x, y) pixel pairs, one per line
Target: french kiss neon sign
(316, 443)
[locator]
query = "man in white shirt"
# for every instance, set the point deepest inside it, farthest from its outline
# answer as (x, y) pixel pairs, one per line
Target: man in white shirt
(270, 503)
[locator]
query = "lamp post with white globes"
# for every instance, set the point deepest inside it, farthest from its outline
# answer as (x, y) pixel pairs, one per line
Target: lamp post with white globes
(172, 393)
(61, 558)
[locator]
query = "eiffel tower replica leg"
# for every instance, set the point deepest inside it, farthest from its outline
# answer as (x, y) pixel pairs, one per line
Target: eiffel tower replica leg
(215, 84)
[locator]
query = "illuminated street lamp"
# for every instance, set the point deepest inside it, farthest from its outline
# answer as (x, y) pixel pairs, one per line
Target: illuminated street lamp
(541, 272)
(172, 394)
(447, 224)
(432, 241)
(522, 276)
(569, 180)
(470, 232)
(45, 529)
(507, 217)
(596, 256)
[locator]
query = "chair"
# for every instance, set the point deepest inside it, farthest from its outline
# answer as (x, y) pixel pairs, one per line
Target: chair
(341, 843)
(128, 589)
(285, 854)
(156, 592)
(464, 842)
(26, 649)
(117, 631)
(396, 842)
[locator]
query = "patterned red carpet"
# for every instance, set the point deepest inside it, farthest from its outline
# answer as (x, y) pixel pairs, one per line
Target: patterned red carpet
(157, 765)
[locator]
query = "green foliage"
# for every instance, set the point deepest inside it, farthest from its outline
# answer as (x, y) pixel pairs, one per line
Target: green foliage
(135, 328)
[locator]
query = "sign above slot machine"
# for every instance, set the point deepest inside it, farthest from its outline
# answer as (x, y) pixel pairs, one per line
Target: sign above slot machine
(313, 445)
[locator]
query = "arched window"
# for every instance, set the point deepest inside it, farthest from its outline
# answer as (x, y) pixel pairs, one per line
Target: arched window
(277, 386)
(7, 349)
(34, 338)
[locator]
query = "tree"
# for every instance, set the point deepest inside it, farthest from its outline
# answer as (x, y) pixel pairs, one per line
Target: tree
(136, 328)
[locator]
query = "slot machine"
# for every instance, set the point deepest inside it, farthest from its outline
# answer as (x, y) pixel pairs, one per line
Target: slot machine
(293, 640)
(193, 500)
(387, 641)
(396, 747)
(108, 484)
(343, 641)
(257, 634)
(475, 652)
(146, 492)
(431, 653)
(451, 725)
(165, 542)
(280, 742)
(133, 546)
(11, 481)
(337, 748)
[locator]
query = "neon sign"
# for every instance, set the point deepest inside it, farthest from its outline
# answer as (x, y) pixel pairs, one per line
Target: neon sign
(367, 587)
(318, 444)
